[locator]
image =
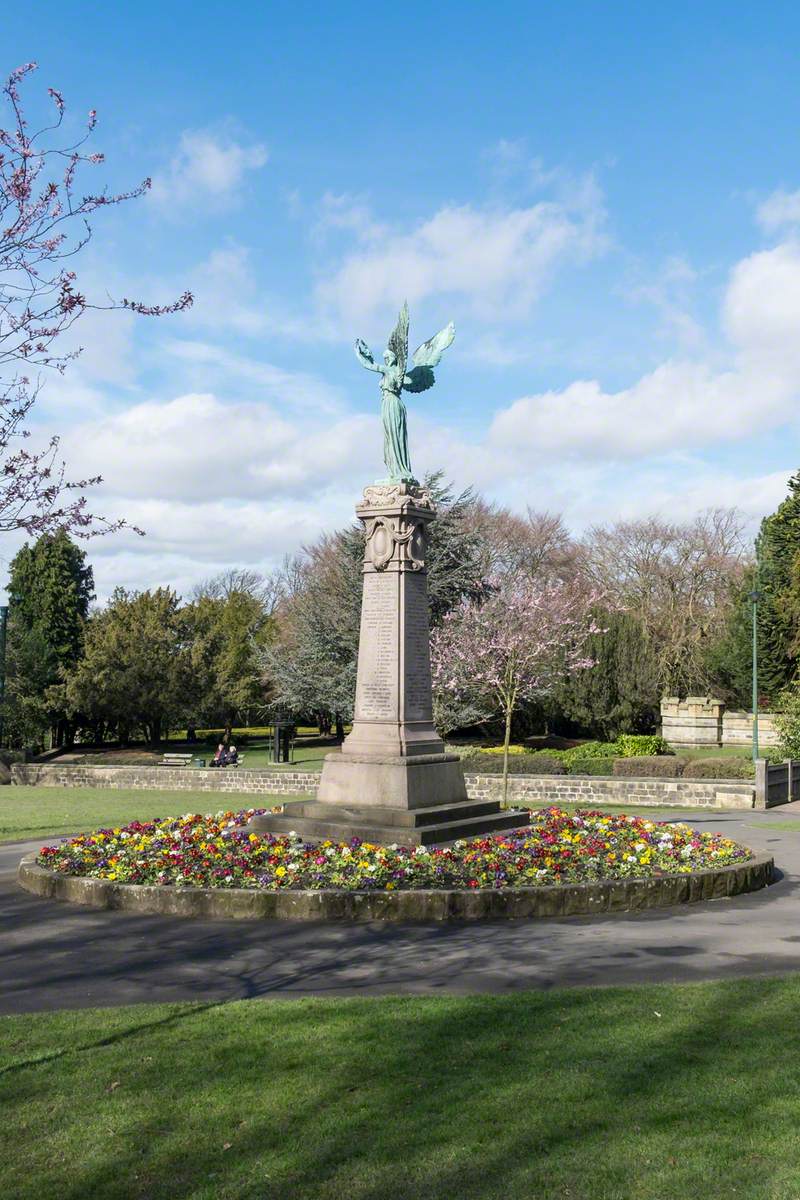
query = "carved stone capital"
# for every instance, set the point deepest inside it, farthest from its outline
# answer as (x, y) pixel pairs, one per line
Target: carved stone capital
(397, 496)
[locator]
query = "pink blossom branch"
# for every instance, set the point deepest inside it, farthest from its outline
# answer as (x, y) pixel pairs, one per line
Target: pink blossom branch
(43, 224)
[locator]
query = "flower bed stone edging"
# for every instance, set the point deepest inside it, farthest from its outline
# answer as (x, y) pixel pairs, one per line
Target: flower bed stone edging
(563, 900)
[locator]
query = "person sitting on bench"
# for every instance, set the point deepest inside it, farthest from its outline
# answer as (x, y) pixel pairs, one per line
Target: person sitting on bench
(220, 759)
(232, 757)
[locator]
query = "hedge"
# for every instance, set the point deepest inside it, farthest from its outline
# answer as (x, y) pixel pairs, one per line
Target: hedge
(540, 763)
(650, 767)
(591, 766)
(720, 768)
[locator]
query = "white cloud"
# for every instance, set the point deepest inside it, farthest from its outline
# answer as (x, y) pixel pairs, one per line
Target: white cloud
(779, 210)
(227, 296)
(682, 404)
(340, 212)
(195, 448)
(188, 541)
(670, 293)
(497, 261)
(299, 393)
(207, 169)
(761, 311)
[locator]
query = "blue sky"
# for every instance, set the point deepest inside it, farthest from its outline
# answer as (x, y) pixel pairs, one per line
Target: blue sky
(605, 198)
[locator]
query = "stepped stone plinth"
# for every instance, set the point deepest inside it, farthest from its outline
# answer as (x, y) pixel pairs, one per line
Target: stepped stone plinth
(392, 780)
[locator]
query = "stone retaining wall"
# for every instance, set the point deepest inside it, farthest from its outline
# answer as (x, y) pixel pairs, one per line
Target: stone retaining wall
(169, 779)
(737, 729)
(537, 791)
(591, 790)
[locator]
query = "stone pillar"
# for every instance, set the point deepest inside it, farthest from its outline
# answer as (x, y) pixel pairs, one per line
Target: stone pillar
(393, 709)
(392, 781)
(393, 734)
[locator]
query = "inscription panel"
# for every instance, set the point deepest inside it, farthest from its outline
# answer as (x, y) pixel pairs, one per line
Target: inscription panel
(378, 654)
(417, 692)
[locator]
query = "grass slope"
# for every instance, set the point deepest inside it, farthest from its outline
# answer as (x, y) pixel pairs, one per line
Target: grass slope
(27, 813)
(651, 1093)
(32, 812)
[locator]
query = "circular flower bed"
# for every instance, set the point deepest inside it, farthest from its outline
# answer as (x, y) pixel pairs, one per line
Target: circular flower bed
(558, 847)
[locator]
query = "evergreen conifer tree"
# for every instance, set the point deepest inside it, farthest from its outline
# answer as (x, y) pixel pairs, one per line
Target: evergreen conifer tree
(50, 589)
(778, 554)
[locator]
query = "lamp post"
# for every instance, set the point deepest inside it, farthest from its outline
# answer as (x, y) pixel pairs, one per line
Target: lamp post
(755, 596)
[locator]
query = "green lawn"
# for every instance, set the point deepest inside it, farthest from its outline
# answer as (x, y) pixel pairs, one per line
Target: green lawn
(651, 1093)
(257, 752)
(31, 812)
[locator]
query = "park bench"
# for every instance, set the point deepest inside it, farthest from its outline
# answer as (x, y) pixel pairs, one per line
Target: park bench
(176, 760)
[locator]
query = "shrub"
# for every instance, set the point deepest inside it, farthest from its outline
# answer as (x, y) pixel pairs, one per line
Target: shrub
(650, 766)
(636, 745)
(561, 756)
(541, 763)
(591, 766)
(9, 757)
(593, 750)
(787, 722)
(719, 768)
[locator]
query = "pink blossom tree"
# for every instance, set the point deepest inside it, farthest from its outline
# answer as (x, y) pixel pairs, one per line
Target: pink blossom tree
(514, 646)
(44, 224)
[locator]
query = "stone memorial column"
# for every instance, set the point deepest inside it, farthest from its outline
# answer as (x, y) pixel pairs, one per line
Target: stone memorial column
(392, 780)
(393, 735)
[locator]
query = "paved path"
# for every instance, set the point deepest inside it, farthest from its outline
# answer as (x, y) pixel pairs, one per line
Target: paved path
(55, 955)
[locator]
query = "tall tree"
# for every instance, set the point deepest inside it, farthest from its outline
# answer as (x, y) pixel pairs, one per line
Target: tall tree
(621, 692)
(778, 556)
(50, 588)
(730, 652)
(676, 580)
(136, 668)
(45, 222)
(225, 633)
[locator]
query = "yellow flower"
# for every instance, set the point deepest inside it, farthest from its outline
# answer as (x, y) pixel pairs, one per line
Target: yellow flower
(280, 871)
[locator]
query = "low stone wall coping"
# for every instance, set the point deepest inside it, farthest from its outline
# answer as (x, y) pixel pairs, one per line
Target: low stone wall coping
(535, 790)
(561, 900)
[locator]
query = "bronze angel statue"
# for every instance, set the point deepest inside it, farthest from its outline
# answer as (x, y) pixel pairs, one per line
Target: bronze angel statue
(396, 379)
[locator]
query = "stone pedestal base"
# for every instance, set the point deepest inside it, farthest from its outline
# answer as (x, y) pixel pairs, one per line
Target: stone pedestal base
(408, 801)
(391, 781)
(441, 823)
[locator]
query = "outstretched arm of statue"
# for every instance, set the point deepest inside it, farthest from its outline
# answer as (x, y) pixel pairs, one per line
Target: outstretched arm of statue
(364, 356)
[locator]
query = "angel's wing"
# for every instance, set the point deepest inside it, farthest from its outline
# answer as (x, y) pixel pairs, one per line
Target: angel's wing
(398, 340)
(418, 379)
(430, 352)
(364, 355)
